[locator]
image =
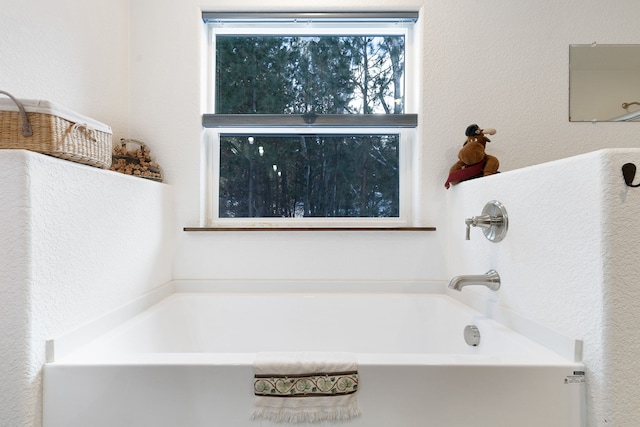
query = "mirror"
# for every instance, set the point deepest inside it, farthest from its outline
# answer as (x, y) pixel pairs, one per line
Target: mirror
(604, 83)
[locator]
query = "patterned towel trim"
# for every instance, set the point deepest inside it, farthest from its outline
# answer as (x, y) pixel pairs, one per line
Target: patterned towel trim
(306, 385)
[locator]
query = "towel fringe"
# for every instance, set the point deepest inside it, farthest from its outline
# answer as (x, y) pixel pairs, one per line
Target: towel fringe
(282, 415)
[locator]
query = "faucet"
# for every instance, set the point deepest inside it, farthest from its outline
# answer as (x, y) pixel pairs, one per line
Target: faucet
(491, 280)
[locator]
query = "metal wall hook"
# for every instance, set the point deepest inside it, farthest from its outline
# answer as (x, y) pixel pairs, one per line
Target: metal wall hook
(626, 105)
(629, 173)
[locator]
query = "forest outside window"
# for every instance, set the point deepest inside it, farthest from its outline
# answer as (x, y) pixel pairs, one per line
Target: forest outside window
(308, 121)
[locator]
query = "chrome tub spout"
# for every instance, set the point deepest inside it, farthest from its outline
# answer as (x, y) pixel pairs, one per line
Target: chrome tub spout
(491, 280)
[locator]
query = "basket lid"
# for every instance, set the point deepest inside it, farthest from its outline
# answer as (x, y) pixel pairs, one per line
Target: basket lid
(46, 107)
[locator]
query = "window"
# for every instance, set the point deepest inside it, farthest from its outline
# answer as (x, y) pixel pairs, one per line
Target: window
(308, 120)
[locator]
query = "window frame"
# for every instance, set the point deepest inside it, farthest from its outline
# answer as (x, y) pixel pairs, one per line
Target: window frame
(405, 125)
(212, 182)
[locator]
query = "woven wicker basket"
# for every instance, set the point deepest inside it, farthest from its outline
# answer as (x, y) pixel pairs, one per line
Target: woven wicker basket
(50, 129)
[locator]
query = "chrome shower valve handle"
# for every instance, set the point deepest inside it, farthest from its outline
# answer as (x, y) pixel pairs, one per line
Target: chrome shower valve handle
(493, 221)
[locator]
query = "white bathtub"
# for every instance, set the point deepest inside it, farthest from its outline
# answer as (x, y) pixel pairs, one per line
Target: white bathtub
(187, 361)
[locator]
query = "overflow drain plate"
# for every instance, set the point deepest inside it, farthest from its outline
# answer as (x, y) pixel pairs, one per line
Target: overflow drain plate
(472, 335)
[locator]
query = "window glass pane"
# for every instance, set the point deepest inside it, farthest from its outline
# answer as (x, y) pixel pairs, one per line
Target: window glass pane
(301, 175)
(309, 74)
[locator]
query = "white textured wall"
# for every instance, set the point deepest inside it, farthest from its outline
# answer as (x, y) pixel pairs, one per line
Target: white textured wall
(171, 117)
(56, 270)
(71, 52)
(500, 64)
(621, 290)
(15, 271)
(136, 65)
(567, 262)
(77, 242)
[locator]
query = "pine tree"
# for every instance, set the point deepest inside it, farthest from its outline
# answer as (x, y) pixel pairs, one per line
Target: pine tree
(312, 175)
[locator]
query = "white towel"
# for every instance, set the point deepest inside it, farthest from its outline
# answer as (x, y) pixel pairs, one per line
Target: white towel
(305, 387)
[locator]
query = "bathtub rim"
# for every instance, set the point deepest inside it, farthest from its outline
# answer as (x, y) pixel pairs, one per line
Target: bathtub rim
(60, 347)
(363, 359)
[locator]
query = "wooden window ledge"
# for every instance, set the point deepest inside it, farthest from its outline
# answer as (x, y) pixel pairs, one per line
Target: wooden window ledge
(309, 229)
